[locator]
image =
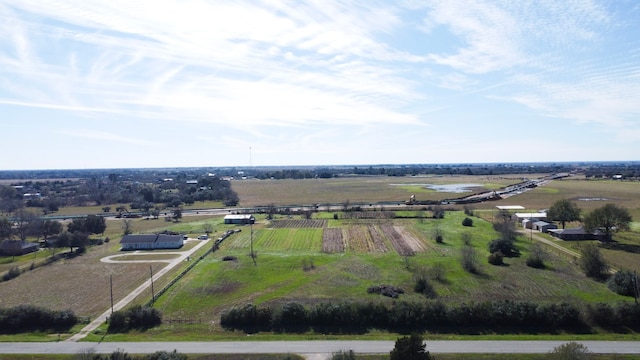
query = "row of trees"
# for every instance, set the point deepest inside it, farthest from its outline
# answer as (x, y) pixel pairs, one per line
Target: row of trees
(28, 318)
(350, 317)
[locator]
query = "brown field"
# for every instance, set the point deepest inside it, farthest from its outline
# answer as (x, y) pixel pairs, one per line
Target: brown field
(332, 241)
(81, 283)
(355, 189)
(403, 242)
(299, 224)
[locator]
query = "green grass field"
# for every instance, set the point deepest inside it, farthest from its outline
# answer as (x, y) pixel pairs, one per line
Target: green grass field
(290, 264)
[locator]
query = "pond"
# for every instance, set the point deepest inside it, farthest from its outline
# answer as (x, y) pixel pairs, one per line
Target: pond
(452, 188)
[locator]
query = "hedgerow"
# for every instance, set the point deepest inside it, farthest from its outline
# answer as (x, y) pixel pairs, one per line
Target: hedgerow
(28, 318)
(351, 317)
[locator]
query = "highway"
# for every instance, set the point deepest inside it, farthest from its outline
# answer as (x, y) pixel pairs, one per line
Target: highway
(311, 349)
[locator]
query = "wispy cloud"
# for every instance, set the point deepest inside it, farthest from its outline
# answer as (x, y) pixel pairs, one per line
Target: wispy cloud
(88, 134)
(288, 73)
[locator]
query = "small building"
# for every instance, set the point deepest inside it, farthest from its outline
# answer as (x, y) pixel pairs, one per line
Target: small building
(543, 226)
(531, 216)
(151, 242)
(576, 234)
(17, 247)
(239, 219)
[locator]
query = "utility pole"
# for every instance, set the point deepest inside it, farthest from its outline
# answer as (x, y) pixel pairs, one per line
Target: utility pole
(111, 290)
(253, 256)
(153, 295)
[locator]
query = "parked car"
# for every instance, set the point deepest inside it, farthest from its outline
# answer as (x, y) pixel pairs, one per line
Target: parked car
(203, 237)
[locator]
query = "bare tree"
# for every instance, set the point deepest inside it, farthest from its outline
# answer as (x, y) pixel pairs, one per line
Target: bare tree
(208, 228)
(126, 226)
(469, 259)
(23, 221)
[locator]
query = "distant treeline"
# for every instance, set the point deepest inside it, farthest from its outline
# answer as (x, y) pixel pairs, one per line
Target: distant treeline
(491, 316)
(628, 169)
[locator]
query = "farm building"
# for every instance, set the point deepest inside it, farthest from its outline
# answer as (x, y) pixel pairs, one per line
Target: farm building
(576, 234)
(543, 226)
(523, 216)
(240, 219)
(151, 241)
(17, 247)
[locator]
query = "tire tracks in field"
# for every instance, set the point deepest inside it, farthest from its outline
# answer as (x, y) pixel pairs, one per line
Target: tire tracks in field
(102, 318)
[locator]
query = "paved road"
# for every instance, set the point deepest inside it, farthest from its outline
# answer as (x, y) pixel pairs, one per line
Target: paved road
(144, 287)
(311, 349)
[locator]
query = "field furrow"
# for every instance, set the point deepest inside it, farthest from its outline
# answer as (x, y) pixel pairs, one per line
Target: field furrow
(332, 241)
(377, 238)
(397, 240)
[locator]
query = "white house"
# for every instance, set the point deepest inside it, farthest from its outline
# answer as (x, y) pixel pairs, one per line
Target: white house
(151, 241)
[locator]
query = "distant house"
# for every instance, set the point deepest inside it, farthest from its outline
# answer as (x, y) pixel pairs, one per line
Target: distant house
(576, 234)
(17, 247)
(239, 219)
(151, 242)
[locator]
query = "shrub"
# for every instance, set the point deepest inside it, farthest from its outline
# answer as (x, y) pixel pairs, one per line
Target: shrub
(137, 317)
(623, 283)
(422, 286)
(25, 318)
(469, 259)
(505, 246)
(409, 348)
(466, 238)
(343, 355)
(592, 262)
(570, 351)
(291, 315)
(438, 234)
(535, 262)
(13, 273)
(438, 272)
(496, 258)
(536, 257)
(467, 222)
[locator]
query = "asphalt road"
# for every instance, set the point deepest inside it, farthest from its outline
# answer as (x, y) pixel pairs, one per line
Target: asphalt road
(310, 347)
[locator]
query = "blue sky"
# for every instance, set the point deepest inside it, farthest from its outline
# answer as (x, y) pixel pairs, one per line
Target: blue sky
(172, 83)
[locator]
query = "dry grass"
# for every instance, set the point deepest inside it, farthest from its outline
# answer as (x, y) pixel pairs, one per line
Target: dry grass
(80, 284)
(354, 189)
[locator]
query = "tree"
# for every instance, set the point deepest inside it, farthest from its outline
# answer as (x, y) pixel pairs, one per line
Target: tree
(409, 348)
(592, 262)
(5, 228)
(50, 227)
(95, 224)
(623, 282)
(563, 211)
(23, 220)
(177, 214)
(91, 224)
(469, 258)
(126, 226)
(609, 218)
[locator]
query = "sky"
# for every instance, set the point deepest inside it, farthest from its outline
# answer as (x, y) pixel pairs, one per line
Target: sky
(191, 83)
